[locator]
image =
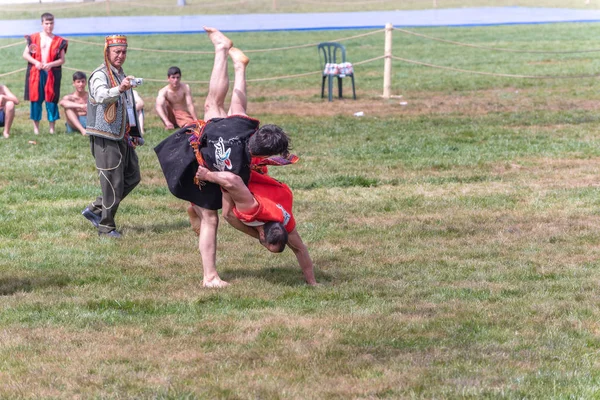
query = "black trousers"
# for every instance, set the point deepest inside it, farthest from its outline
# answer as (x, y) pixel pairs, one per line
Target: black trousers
(119, 172)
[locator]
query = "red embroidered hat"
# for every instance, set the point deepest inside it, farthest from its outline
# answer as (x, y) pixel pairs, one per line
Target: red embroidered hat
(115, 40)
(111, 41)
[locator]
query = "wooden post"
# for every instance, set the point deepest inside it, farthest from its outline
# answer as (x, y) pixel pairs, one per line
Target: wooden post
(274, 5)
(108, 6)
(387, 61)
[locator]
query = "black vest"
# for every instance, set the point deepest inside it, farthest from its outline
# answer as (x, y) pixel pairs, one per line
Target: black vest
(224, 144)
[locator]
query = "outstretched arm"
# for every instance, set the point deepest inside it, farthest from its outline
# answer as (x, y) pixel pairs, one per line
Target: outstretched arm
(301, 251)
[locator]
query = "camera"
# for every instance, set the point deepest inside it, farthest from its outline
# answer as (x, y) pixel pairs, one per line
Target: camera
(135, 82)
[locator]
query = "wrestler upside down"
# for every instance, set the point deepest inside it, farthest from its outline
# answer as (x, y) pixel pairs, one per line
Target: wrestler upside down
(263, 210)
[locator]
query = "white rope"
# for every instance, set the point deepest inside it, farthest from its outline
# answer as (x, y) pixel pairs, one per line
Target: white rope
(245, 51)
(496, 74)
(12, 45)
(13, 72)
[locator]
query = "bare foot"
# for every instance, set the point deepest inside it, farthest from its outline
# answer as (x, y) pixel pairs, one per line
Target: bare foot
(215, 283)
(51, 132)
(194, 219)
(238, 57)
(6, 135)
(219, 40)
(36, 132)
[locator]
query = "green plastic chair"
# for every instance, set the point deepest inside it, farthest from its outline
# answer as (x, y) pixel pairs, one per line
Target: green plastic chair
(333, 53)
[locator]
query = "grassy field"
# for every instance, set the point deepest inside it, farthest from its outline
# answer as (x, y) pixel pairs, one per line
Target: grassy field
(455, 238)
(169, 7)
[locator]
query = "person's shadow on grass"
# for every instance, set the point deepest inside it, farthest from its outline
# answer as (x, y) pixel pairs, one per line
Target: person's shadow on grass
(10, 286)
(288, 274)
(159, 227)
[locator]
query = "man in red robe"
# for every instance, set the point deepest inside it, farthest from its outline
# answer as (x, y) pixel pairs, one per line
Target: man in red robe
(45, 53)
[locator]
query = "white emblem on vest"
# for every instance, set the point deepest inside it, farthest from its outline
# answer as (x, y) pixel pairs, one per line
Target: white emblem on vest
(222, 160)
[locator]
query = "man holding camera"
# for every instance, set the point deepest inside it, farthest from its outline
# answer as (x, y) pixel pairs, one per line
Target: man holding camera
(113, 127)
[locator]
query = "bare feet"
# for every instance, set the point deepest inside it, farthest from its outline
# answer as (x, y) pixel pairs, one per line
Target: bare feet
(6, 135)
(219, 40)
(194, 219)
(238, 57)
(215, 283)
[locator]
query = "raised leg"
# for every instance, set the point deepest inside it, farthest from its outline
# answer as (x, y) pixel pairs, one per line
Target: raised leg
(214, 106)
(239, 101)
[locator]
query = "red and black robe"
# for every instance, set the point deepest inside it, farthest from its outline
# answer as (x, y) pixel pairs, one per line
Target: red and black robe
(32, 76)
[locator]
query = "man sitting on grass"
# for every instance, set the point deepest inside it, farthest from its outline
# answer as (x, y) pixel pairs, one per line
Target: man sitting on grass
(263, 210)
(75, 105)
(174, 104)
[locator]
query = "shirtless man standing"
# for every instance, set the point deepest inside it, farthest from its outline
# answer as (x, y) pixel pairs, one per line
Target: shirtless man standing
(75, 105)
(174, 103)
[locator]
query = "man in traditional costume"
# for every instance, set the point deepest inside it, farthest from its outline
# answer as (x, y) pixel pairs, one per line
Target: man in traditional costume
(228, 140)
(113, 127)
(45, 53)
(264, 208)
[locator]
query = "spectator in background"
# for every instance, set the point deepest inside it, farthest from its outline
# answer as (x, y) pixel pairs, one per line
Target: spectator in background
(45, 53)
(75, 105)
(174, 103)
(8, 101)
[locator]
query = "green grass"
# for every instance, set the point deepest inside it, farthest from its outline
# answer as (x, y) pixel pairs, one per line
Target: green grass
(455, 238)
